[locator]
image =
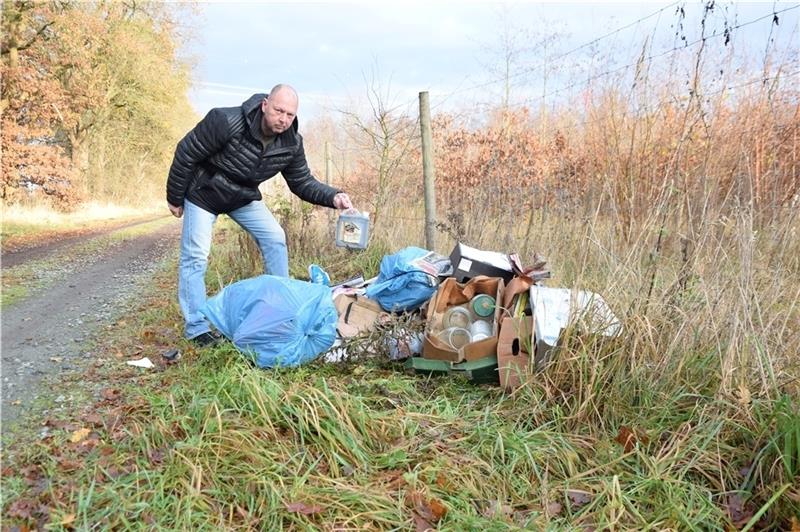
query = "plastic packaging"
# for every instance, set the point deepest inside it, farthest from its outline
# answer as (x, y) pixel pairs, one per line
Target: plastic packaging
(404, 344)
(352, 229)
(276, 320)
(401, 285)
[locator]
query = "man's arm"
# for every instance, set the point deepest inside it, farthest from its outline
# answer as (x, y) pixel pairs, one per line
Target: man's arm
(306, 187)
(207, 138)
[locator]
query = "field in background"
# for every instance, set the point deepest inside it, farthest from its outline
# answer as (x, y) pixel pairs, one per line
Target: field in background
(24, 224)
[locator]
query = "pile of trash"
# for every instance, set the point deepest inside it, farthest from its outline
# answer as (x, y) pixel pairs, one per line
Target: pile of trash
(481, 314)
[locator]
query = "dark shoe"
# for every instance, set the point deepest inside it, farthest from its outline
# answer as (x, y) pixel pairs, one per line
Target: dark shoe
(207, 339)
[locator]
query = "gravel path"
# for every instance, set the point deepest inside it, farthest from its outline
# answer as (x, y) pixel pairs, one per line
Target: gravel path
(27, 252)
(44, 334)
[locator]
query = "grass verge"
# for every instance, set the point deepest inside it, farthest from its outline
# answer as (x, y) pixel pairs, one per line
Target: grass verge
(599, 441)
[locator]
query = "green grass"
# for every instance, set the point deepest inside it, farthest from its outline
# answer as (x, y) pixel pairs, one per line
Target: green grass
(213, 443)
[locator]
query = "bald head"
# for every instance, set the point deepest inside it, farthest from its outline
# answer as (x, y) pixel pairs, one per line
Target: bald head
(282, 88)
(280, 109)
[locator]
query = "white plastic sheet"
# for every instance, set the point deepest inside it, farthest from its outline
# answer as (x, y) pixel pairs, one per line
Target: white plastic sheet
(555, 308)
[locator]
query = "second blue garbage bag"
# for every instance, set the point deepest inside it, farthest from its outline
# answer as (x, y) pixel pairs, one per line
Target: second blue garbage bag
(278, 321)
(402, 285)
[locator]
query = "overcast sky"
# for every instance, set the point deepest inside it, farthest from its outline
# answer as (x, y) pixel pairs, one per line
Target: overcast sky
(327, 49)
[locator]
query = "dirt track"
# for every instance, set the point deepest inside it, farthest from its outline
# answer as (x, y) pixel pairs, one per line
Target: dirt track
(45, 334)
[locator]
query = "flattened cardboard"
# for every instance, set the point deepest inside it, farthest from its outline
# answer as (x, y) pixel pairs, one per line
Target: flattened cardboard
(469, 263)
(514, 346)
(357, 314)
(452, 293)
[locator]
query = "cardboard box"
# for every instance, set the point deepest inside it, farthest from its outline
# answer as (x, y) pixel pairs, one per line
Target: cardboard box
(469, 263)
(357, 314)
(452, 293)
(515, 345)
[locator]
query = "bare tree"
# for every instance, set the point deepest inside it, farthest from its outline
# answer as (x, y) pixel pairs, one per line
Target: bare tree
(387, 134)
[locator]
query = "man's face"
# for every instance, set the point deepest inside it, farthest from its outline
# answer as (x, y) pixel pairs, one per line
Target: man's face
(279, 112)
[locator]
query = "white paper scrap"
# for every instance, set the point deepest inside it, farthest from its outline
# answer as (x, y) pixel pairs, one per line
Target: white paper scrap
(141, 363)
(494, 258)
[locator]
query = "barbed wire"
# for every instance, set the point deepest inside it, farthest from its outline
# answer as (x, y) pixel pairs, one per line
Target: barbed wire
(649, 58)
(565, 54)
(543, 64)
(761, 79)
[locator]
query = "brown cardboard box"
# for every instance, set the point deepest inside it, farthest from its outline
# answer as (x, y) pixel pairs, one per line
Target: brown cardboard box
(357, 314)
(452, 293)
(514, 347)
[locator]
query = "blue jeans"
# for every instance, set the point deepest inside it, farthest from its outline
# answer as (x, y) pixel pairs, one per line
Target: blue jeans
(198, 223)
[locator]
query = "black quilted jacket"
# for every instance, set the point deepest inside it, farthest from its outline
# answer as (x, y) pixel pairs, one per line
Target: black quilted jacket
(219, 164)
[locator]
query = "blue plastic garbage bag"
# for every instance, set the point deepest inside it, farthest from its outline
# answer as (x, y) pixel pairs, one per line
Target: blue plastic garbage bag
(279, 321)
(402, 285)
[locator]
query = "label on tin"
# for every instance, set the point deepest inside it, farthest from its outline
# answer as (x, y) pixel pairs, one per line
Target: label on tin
(350, 233)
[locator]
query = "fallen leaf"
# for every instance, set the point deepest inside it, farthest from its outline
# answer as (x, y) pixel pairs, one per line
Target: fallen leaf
(438, 509)
(744, 395)
(554, 508)
(16, 402)
(739, 512)
(110, 394)
(394, 479)
(431, 510)
(93, 419)
(795, 525)
(421, 524)
(31, 472)
(70, 465)
(106, 450)
(58, 424)
(579, 498)
(497, 509)
(88, 444)
(156, 456)
(628, 438)
(79, 435)
(68, 519)
(56, 359)
(303, 508)
(22, 509)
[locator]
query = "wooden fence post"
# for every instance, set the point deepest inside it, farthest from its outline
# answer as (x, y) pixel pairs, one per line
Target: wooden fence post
(428, 171)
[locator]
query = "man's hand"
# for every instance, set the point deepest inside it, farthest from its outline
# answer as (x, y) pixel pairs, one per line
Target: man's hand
(342, 201)
(177, 212)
